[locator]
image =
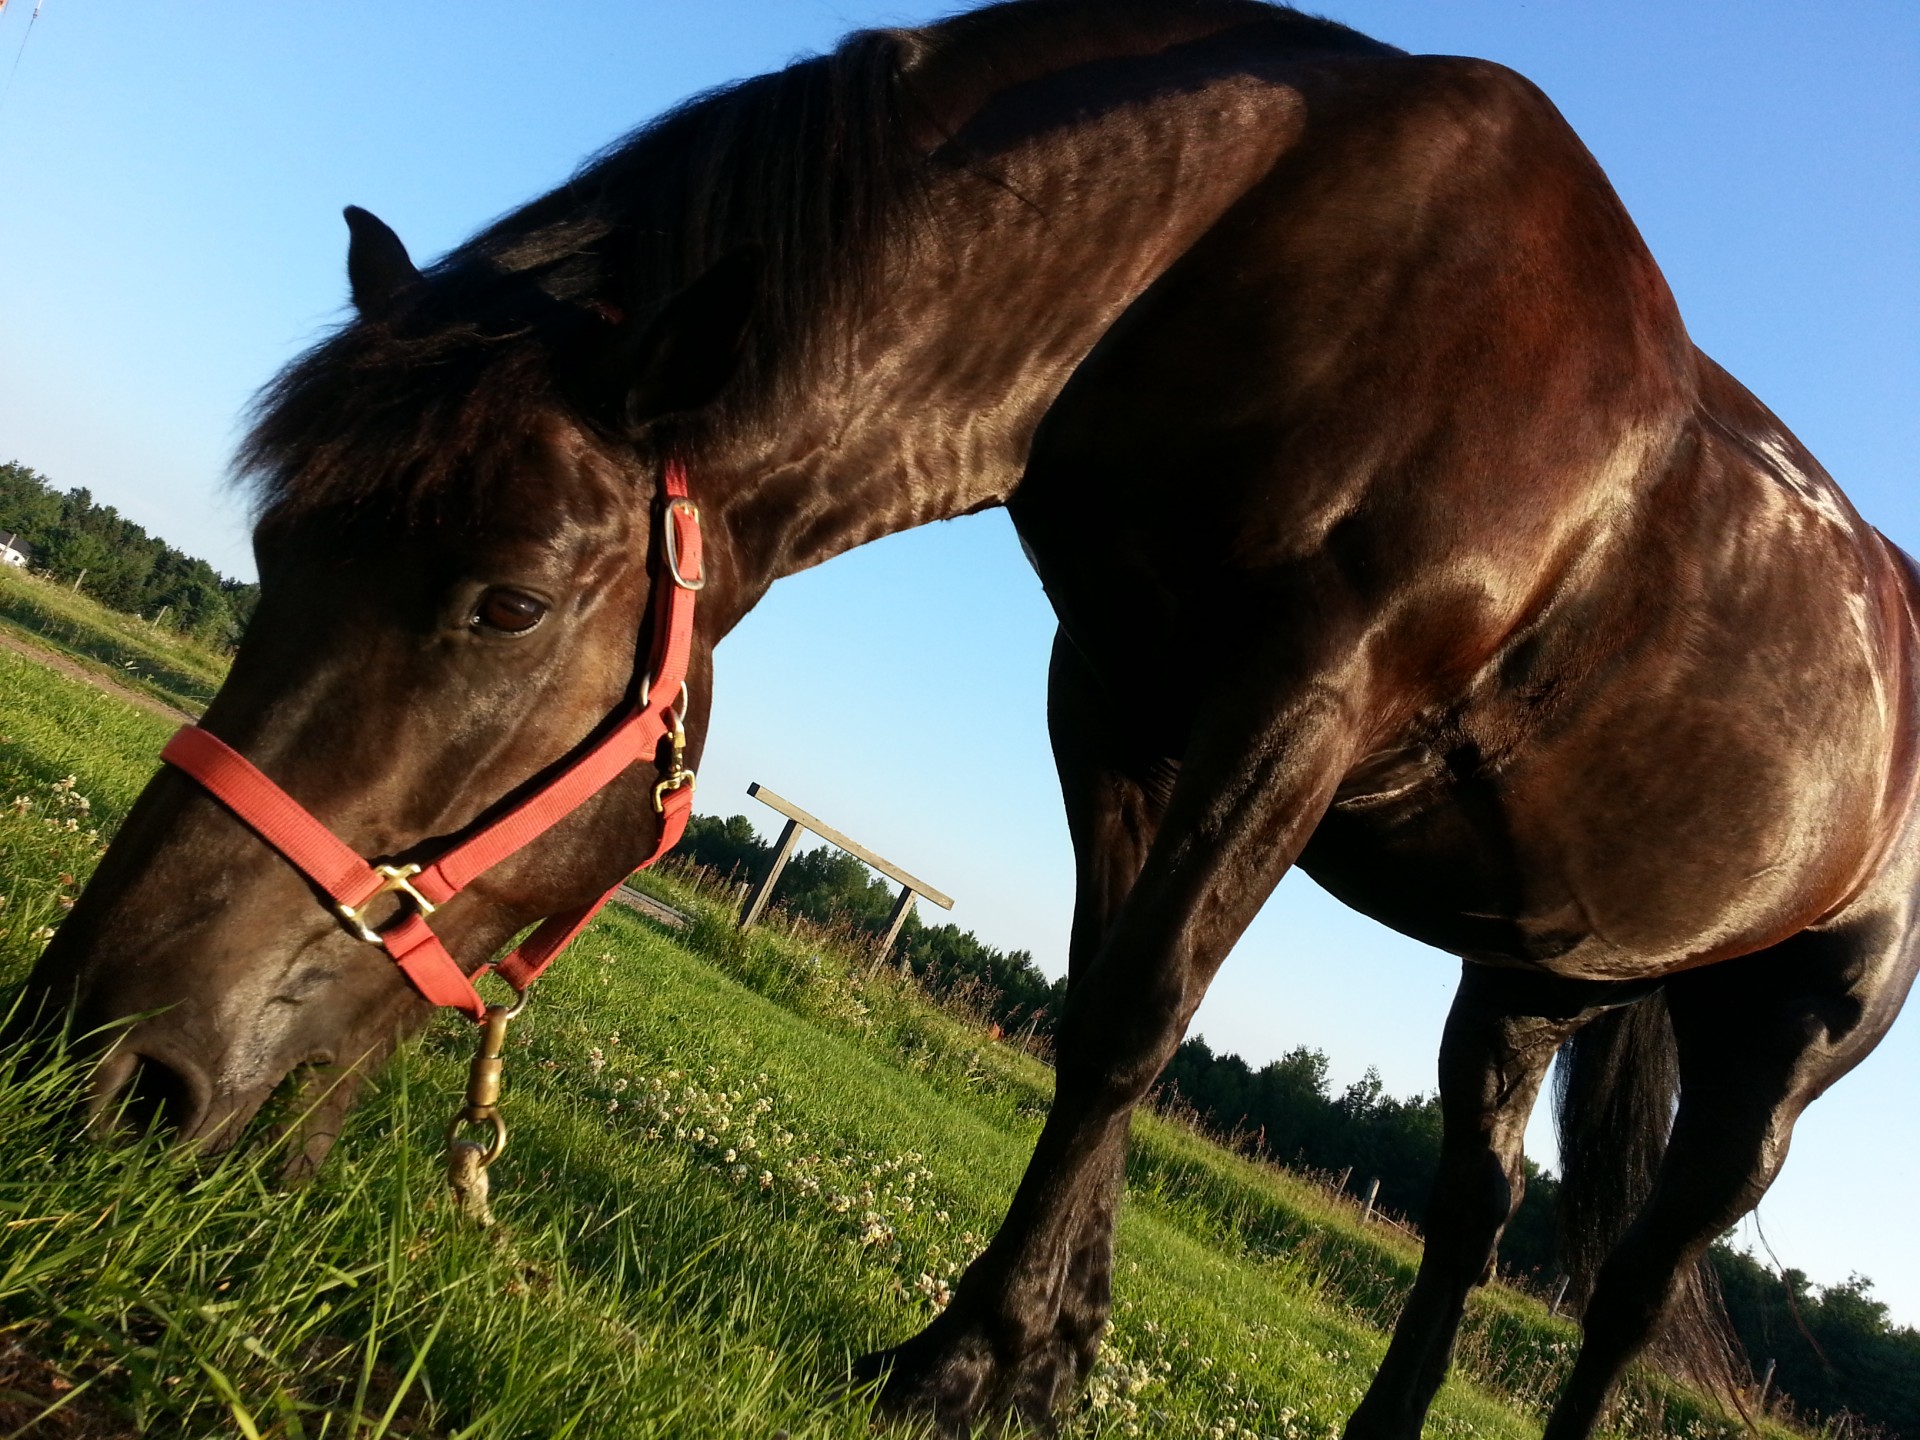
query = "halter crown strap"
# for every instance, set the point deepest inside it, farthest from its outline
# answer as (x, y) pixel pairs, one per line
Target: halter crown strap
(350, 881)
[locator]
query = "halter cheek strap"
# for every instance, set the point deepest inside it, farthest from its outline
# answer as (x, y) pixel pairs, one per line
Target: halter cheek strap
(351, 882)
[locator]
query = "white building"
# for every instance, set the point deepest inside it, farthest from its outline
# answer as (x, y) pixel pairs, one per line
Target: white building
(14, 550)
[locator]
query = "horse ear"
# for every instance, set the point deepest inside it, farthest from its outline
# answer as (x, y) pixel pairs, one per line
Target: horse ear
(378, 267)
(688, 352)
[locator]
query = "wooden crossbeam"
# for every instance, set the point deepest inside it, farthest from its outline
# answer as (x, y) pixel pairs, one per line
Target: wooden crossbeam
(853, 847)
(911, 886)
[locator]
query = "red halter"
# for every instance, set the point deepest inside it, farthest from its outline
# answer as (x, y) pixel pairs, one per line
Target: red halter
(351, 882)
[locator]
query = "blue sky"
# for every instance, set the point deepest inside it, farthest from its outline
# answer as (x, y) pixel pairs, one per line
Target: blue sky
(170, 184)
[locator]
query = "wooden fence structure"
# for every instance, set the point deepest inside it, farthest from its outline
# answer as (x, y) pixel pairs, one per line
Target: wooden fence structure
(798, 820)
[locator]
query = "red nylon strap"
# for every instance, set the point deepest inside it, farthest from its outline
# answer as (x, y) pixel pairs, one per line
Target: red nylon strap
(349, 880)
(313, 849)
(540, 949)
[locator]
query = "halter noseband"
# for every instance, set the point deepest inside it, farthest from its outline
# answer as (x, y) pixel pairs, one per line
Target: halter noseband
(350, 882)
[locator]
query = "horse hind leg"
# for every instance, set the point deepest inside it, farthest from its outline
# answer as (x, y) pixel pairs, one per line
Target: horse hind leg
(1758, 1038)
(1502, 1033)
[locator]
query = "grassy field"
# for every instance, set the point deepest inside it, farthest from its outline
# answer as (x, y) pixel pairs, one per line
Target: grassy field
(144, 657)
(736, 1163)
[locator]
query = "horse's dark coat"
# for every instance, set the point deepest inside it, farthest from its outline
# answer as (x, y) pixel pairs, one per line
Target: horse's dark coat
(1393, 523)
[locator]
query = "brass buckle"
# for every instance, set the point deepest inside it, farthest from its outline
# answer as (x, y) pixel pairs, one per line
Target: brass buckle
(395, 879)
(677, 773)
(671, 542)
(676, 778)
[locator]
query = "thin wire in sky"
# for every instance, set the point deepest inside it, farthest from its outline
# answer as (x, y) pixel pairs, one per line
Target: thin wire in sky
(21, 52)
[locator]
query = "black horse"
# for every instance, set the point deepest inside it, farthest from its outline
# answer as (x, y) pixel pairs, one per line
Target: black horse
(1394, 526)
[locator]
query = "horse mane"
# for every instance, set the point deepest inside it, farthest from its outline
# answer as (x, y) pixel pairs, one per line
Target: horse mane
(817, 167)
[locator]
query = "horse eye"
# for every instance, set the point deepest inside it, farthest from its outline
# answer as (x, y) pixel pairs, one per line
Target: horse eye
(511, 612)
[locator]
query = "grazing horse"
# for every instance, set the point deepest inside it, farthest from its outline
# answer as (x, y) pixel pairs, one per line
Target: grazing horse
(1394, 526)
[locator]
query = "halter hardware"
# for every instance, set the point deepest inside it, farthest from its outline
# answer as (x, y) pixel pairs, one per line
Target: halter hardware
(677, 774)
(396, 880)
(671, 544)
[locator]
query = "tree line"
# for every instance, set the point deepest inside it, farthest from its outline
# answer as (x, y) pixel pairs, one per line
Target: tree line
(1835, 1350)
(107, 556)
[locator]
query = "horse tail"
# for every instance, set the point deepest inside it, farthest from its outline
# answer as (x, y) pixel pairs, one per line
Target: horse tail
(1614, 1088)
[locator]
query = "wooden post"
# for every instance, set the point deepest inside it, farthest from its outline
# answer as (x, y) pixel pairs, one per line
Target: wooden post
(757, 901)
(1766, 1384)
(1559, 1294)
(911, 887)
(901, 909)
(1373, 1193)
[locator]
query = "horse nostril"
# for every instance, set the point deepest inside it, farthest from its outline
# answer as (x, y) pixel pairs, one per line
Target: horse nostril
(155, 1096)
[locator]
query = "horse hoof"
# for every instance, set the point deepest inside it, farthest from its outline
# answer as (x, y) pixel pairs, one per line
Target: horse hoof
(962, 1389)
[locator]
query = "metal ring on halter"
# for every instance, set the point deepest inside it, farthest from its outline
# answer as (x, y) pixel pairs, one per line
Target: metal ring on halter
(494, 1148)
(646, 694)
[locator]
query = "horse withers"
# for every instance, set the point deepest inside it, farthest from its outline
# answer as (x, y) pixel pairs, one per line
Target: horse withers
(1394, 526)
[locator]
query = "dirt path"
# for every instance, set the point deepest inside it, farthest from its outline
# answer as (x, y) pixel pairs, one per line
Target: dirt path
(73, 670)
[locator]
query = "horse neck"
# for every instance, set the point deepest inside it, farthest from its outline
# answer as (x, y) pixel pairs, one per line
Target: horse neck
(929, 407)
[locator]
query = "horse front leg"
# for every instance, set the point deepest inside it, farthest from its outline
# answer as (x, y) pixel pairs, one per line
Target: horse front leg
(1025, 1320)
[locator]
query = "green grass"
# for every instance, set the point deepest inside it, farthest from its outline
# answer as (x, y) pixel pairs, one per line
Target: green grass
(145, 657)
(737, 1161)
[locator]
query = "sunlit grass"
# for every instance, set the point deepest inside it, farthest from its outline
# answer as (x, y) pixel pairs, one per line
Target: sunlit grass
(140, 654)
(737, 1161)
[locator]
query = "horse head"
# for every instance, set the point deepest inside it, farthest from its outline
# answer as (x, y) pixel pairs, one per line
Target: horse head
(458, 549)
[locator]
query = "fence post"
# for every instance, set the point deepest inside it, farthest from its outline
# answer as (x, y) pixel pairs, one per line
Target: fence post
(1559, 1294)
(901, 909)
(757, 901)
(1766, 1383)
(1373, 1192)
